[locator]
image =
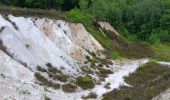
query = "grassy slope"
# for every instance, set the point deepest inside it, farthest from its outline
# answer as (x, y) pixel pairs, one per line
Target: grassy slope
(130, 49)
(148, 81)
(162, 52)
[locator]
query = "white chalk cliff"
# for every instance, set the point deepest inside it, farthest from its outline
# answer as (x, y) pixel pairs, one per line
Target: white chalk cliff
(26, 43)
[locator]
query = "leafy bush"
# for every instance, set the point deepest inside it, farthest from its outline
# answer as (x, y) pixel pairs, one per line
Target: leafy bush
(115, 55)
(90, 95)
(163, 35)
(153, 61)
(103, 72)
(76, 15)
(69, 88)
(86, 70)
(45, 81)
(141, 67)
(85, 82)
(162, 52)
(39, 68)
(153, 39)
(27, 46)
(159, 35)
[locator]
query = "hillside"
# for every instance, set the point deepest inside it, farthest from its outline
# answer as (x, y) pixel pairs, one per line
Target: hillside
(55, 51)
(54, 54)
(84, 50)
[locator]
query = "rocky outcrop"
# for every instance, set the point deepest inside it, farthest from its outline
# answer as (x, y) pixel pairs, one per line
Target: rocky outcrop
(108, 27)
(54, 48)
(36, 42)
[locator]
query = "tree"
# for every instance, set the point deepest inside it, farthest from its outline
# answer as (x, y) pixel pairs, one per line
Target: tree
(99, 9)
(114, 15)
(83, 5)
(9, 2)
(70, 4)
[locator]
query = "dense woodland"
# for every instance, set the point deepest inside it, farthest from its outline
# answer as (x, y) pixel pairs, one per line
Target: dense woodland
(146, 20)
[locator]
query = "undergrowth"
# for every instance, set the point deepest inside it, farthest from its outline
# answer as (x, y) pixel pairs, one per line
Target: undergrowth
(148, 81)
(162, 52)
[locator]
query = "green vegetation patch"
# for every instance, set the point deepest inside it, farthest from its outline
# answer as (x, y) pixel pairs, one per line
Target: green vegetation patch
(91, 95)
(76, 15)
(127, 48)
(86, 70)
(69, 88)
(39, 68)
(162, 52)
(147, 82)
(45, 81)
(53, 73)
(85, 82)
(17, 11)
(27, 46)
(103, 72)
(56, 74)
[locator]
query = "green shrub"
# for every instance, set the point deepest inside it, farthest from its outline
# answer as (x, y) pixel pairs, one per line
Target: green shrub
(106, 62)
(46, 82)
(162, 52)
(159, 35)
(90, 95)
(86, 70)
(85, 82)
(76, 15)
(132, 37)
(107, 86)
(141, 67)
(91, 59)
(60, 77)
(52, 69)
(103, 73)
(115, 55)
(69, 88)
(153, 61)
(153, 39)
(41, 78)
(163, 35)
(27, 46)
(88, 58)
(39, 68)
